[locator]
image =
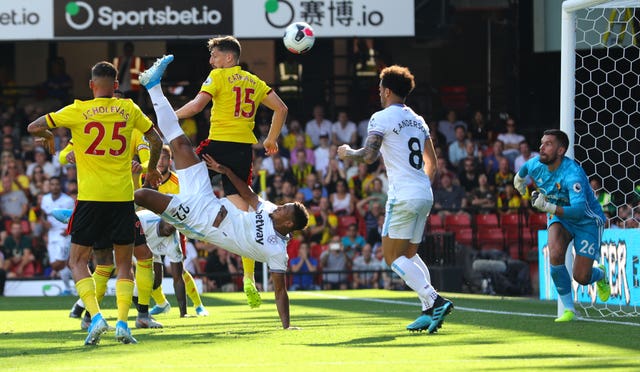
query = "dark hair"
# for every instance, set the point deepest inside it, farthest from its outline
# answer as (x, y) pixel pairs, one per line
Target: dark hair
(300, 216)
(561, 136)
(104, 69)
(398, 79)
(225, 44)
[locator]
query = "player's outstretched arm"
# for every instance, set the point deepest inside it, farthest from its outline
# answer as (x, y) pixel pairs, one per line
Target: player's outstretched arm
(39, 128)
(282, 298)
(430, 159)
(368, 154)
(194, 106)
(243, 189)
(280, 110)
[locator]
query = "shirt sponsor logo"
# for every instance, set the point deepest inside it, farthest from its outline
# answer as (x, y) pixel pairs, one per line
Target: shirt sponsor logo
(259, 227)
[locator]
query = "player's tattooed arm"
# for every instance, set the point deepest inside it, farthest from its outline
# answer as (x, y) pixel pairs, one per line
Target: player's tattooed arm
(155, 143)
(368, 154)
(39, 128)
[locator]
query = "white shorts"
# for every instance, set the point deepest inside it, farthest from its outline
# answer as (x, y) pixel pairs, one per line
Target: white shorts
(406, 219)
(194, 209)
(59, 250)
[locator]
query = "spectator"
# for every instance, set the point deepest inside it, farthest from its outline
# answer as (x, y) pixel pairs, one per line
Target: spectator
(376, 192)
(342, 201)
(303, 268)
(511, 140)
(299, 145)
(492, 159)
(18, 180)
(9, 145)
(366, 270)
(457, 148)
(482, 198)
(468, 175)
(449, 198)
(352, 241)
(41, 159)
(344, 131)
(129, 69)
(525, 154)
(322, 224)
(480, 132)
(443, 169)
(277, 165)
(289, 190)
(274, 187)
(313, 204)
(447, 126)
(439, 140)
(374, 236)
(302, 168)
(261, 134)
(334, 174)
(335, 266)
(37, 181)
(322, 155)
(307, 187)
(508, 201)
(472, 152)
(295, 129)
(317, 125)
(18, 252)
(219, 270)
(14, 203)
(504, 176)
(370, 209)
(359, 184)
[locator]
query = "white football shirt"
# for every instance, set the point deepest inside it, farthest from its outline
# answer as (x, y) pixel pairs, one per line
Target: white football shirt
(48, 204)
(404, 134)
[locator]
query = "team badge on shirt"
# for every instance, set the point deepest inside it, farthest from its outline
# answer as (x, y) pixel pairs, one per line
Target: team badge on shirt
(577, 187)
(272, 239)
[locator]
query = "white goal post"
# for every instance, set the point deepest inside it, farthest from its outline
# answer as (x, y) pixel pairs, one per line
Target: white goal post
(603, 127)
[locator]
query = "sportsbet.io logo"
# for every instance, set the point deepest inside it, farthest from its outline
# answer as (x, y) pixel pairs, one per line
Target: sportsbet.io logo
(74, 16)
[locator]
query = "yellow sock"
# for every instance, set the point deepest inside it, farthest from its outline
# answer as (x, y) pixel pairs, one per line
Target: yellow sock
(124, 292)
(87, 292)
(101, 276)
(158, 296)
(144, 280)
(249, 267)
(192, 291)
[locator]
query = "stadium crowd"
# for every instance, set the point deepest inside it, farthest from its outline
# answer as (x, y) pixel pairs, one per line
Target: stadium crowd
(477, 161)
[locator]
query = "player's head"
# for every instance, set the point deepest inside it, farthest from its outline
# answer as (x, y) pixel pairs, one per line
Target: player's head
(104, 77)
(290, 217)
(395, 80)
(553, 146)
(225, 51)
(164, 162)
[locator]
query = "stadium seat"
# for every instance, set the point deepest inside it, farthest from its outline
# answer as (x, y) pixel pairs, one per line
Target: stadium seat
(491, 238)
(464, 236)
(292, 248)
(456, 221)
(435, 222)
(317, 249)
(344, 222)
(512, 219)
(486, 220)
(537, 221)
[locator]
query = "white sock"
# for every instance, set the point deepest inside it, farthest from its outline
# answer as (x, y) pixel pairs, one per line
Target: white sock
(135, 291)
(167, 119)
(80, 303)
(418, 261)
(66, 275)
(415, 279)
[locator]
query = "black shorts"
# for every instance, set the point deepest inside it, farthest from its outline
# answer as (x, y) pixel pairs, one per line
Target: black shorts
(138, 240)
(237, 156)
(102, 224)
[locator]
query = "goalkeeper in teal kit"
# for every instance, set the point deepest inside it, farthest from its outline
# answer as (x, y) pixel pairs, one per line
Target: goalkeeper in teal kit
(562, 190)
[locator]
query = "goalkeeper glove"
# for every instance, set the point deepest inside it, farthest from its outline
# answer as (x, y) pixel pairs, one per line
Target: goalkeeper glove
(539, 201)
(518, 183)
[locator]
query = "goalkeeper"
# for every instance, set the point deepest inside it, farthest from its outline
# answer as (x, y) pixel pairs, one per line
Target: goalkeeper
(564, 193)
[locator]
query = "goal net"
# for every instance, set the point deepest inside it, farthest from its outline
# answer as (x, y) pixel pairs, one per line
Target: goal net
(600, 110)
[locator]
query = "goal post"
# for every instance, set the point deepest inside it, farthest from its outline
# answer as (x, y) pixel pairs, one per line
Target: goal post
(599, 111)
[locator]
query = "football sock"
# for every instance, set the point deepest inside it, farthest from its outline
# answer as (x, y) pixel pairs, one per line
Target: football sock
(144, 283)
(596, 274)
(415, 279)
(87, 291)
(124, 292)
(191, 289)
(562, 280)
(101, 276)
(249, 267)
(65, 275)
(418, 261)
(158, 296)
(167, 119)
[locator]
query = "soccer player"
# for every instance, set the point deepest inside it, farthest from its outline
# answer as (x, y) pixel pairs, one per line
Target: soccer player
(261, 234)
(102, 128)
(103, 249)
(58, 241)
(564, 193)
(182, 279)
(403, 139)
(236, 95)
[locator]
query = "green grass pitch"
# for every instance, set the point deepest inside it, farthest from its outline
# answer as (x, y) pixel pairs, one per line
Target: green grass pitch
(340, 330)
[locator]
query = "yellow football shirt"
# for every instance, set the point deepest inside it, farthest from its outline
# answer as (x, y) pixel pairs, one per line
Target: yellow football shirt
(102, 130)
(171, 185)
(236, 95)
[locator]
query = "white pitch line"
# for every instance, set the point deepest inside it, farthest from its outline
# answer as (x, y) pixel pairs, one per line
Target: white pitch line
(407, 303)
